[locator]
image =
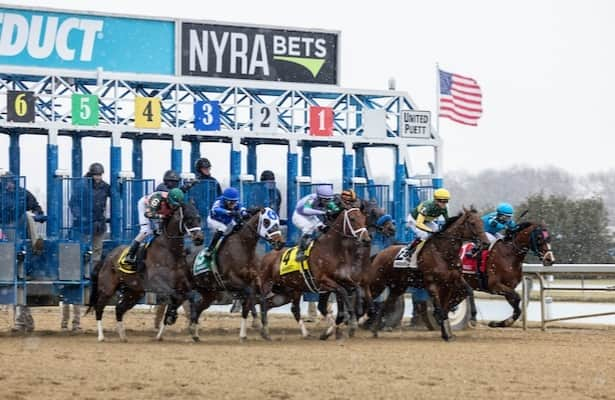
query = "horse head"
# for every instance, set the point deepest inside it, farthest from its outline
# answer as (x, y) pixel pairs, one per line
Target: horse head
(377, 219)
(536, 238)
(268, 227)
(351, 223)
(185, 219)
(466, 226)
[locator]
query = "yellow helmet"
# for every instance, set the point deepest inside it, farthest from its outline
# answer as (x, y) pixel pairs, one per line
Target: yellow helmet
(441, 194)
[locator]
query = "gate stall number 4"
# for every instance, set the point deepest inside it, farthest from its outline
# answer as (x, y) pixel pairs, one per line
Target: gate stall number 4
(147, 112)
(265, 118)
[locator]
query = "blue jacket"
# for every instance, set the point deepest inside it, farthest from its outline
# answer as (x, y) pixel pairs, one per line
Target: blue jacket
(493, 225)
(10, 201)
(101, 191)
(224, 215)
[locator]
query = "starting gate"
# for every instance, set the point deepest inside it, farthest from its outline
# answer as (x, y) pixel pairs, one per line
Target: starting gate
(78, 103)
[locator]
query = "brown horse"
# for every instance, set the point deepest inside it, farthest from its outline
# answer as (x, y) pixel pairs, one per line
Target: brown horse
(236, 266)
(438, 270)
(378, 221)
(164, 271)
(329, 270)
(503, 266)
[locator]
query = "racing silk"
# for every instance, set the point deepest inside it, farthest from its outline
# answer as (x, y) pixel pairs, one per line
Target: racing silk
(493, 225)
(309, 205)
(428, 211)
(222, 214)
(157, 206)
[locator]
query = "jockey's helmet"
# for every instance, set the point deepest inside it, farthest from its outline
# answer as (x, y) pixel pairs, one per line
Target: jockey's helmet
(171, 175)
(175, 197)
(96, 169)
(267, 175)
(505, 209)
(230, 194)
(441, 194)
(349, 195)
(201, 163)
(324, 192)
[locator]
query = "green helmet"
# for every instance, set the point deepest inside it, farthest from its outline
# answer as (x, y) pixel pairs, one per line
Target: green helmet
(175, 197)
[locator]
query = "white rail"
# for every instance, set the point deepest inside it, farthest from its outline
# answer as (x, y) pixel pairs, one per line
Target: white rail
(540, 272)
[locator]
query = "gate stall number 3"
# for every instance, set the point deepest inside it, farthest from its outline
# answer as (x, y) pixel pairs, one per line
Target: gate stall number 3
(207, 115)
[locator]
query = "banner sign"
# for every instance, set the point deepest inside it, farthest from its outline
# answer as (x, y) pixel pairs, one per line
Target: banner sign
(86, 42)
(415, 124)
(236, 52)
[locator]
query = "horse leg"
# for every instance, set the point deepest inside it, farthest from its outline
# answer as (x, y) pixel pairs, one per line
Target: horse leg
(127, 300)
(355, 300)
(247, 303)
(101, 303)
(295, 308)
(513, 299)
(170, 316)
(197, 308)
(440, 313)
(472, 303)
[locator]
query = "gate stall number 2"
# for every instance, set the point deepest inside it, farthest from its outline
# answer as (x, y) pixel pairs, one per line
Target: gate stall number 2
(264, 118)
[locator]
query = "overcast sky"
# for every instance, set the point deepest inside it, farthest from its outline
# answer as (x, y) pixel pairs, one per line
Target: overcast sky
(545, 67)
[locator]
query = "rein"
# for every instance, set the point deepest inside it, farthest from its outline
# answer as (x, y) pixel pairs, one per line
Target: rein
(183, 229)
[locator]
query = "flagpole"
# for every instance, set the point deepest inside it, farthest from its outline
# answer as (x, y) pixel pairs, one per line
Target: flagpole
(437, 99)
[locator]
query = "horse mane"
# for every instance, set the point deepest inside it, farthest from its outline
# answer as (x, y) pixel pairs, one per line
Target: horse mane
(450, 221)
(521, 226)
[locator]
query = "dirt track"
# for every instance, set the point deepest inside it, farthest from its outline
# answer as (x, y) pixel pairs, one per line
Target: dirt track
(481, 364)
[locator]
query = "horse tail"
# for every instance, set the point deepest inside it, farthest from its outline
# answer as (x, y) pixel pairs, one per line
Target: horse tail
(94, 288)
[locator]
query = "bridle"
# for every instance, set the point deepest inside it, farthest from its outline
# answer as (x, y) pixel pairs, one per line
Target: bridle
(537, 233)
(183, 228)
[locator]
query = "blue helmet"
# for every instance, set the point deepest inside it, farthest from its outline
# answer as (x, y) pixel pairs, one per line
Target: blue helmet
(230, 194)
(505, 209)
(324, 192)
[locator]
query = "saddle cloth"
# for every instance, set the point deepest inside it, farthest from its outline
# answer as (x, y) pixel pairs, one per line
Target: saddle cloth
(202, 264)
(469, 262)
(402, 261)
(289, 262)
(128, 268)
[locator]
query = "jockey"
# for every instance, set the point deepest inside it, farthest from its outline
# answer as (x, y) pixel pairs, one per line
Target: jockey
(156, 205)
(421, 220)
(223, 216)
(498, 221)
(310, 213)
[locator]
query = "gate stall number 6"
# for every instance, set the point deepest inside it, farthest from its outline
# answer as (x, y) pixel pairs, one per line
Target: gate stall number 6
(265, 118)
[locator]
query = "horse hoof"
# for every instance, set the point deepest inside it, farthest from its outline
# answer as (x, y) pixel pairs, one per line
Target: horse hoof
(243, 339)
(351, 332)
(472, 323)
(324, 336)
(339, 334)
(494, 324)
(451, 338)
(196, 339)
(265, 336)
(100, 340)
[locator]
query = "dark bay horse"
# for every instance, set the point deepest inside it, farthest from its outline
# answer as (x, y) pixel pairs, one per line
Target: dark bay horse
(329, 271)
(164, 271)
(378, 221)
(236, 266)
(438, 270)
(503, 266)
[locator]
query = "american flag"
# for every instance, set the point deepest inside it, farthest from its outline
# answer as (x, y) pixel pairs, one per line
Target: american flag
(460, 98)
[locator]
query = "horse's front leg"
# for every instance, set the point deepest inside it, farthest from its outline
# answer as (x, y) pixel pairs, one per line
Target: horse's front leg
(513, 298)
(440, 313)
(472, 303)
(247, 303)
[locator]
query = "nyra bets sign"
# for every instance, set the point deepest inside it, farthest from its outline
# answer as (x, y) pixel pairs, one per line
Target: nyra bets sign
(237, 52)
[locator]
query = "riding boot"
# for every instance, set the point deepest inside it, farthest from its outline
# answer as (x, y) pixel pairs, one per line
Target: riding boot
(131, 257)
(303, 244)
(411, 247)
(212, 245)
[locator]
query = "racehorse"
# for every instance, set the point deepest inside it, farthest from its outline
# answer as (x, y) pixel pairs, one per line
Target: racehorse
(329, 269)
(438, 270)
(378, 221)
(503, 266)
(164, 271)
(236, 266)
